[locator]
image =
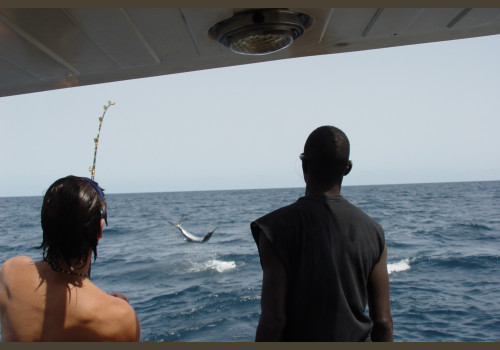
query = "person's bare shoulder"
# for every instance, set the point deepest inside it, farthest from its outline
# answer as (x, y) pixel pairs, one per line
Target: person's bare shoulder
(17, 261)
(15, 267)
(121, 320)
(14, 275)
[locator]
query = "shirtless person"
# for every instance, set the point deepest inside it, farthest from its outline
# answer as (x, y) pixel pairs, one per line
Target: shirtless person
(54, 299)
(323, 259)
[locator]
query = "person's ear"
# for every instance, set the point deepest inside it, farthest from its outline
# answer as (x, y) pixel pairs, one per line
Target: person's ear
(304, 166)
(99, 236)
(348, 168)
(304, 169)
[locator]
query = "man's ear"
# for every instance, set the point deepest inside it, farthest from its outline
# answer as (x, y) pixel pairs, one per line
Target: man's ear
(348, 168)
(99, 236)
(304, 170)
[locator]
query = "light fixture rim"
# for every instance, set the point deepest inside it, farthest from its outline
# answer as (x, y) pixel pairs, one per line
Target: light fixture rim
(274, 19)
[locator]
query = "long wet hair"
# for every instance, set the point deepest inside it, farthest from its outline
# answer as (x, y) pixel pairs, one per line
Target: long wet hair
(71, 220)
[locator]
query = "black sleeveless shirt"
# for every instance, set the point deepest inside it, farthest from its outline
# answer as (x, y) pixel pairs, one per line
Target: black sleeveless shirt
(328, 248)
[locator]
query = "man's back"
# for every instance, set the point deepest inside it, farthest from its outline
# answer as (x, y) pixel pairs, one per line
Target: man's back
(323, 260)
(39, 304)
(328, 248)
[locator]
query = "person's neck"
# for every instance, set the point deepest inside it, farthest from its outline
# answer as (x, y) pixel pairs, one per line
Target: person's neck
(75, 269)
(312, 190)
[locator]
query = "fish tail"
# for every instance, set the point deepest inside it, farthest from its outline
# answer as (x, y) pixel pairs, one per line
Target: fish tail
(178, 224)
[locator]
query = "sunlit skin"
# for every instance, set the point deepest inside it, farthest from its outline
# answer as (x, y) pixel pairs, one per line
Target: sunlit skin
(40, 304)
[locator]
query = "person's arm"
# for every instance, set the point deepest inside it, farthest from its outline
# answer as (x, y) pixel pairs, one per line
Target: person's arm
(379, 301)
(129, 329)
(136, 329)
(273, 316)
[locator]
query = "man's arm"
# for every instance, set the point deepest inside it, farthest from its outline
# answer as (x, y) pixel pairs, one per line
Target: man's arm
(379, 301)
(133, 333)
(273, 316)
(128, 327)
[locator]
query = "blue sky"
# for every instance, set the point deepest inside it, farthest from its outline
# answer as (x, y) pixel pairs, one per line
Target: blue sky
(414, 114)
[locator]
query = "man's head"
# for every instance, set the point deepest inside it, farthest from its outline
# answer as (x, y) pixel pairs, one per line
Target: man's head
(72, 210)
(325, 160)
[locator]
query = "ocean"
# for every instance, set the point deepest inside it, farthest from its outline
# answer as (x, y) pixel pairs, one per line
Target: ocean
(443, 258)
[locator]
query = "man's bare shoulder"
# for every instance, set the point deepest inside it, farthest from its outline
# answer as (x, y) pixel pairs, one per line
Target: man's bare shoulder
(18, 261)
(119, 319)
(16, 266)
(131, 328)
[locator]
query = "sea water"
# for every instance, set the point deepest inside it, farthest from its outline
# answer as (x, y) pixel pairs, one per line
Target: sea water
(443, 257)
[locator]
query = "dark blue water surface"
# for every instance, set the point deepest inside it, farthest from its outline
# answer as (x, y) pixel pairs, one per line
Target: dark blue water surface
(443, 241)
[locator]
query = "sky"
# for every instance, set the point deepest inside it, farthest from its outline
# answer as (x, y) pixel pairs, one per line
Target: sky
(414, 114)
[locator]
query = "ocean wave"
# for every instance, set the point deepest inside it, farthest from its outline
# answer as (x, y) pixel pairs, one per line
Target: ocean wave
(478, 227)
(467, 262)
(232, 241)
(242, 258)
(399, 266)
(214, 264)
(112, 231)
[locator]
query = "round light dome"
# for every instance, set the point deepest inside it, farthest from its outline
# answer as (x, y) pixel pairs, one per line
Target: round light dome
(261, 42)
(260, 32)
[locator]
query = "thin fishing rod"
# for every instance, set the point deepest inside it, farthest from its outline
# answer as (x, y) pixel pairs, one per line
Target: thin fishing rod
(96, 140)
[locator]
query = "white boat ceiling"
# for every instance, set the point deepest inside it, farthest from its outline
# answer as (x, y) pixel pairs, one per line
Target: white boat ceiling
(52, 48)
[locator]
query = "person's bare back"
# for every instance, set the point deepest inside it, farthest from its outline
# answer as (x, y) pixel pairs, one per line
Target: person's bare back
(39, 304)
(54, 299)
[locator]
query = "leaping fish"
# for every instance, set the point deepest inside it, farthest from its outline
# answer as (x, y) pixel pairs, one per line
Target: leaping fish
(190, 237)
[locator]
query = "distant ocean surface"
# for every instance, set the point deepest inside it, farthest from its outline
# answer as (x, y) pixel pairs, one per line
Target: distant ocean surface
(443, 260)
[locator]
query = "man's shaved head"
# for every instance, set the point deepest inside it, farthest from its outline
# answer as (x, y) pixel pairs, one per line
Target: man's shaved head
(326, 155)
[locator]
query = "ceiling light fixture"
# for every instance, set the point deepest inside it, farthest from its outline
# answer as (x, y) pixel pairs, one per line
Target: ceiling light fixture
(260, 31)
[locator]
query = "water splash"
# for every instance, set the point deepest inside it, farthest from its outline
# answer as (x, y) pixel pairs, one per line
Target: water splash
(399, 266)
(217, 265)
